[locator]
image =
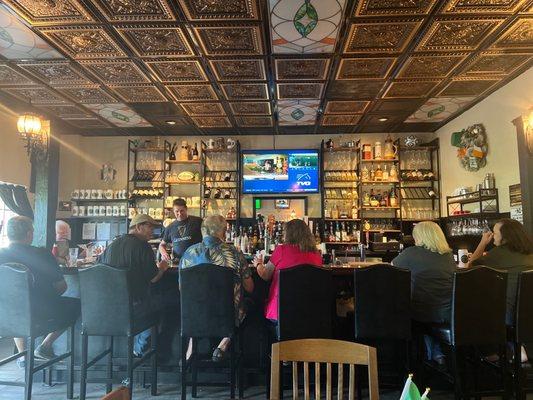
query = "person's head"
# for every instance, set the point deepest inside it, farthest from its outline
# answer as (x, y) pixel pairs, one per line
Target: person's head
(297, 232)
(512, 233)
(63, 231)
(428, 234)
(142, 226)
(179, 206)
(214, 225)
(20, 230)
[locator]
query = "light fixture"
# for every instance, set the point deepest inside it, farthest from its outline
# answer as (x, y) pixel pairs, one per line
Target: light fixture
(170, 122)
(35, 133)
(383, 119)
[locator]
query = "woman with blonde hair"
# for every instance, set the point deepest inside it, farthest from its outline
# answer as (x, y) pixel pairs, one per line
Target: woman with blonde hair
(432, 266)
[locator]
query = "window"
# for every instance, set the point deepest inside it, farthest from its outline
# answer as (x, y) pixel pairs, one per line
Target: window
(5, 215)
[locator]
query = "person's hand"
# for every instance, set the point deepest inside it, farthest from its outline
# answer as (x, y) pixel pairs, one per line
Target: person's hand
(164, 254)
(486, 239)
(162, 265)
(258, 259)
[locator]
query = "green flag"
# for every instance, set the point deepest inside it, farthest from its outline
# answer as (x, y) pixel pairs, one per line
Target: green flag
(410, 391)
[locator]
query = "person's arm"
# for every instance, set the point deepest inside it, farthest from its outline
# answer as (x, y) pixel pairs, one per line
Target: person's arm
(246, 274)
(162, 266)
(163, 250)
(478, 253)
(265, 271)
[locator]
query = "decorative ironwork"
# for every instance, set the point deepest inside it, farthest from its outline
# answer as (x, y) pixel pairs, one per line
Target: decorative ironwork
(369, 68)
(239, 70)
(211, 122)
(393, 7)
(193, 92)
(139, 94)
(88, 95)
(200, 10)
(10, 77)
(35, 95)
(56, 72)
(430, 66)
(153, 40)
(201, 109)
(116, 72)
(301, 69)
(248, 91)
(338, 120)
(467, 87)
(346, 107)
(300, 90)
(135, 10)
(380, 37)
(517, 36)
(50, 12)
(251, 121)
(410, 89)
(250, 108)
(178, 71)
(230, 40)
(493, 63)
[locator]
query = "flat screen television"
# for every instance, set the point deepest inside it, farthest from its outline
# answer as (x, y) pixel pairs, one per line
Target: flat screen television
(280, 171)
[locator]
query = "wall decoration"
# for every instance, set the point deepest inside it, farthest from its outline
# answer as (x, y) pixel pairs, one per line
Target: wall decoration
(438, 109)
(305, 26)
(119, 114)
(472, 147)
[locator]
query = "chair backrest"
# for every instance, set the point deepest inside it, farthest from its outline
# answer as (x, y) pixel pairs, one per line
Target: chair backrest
(16, 282)
(524, 308)
(207, 305)
(106, 303)
(326, 351)
(382, 302)
(478, 307)
(122, 393)
(305, 303)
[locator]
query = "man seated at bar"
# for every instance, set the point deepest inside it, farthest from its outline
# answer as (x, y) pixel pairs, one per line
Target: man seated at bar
(133, 251)
(513, 252)
(298, 248)
(214, 250)
(432, 266)
(48, 283)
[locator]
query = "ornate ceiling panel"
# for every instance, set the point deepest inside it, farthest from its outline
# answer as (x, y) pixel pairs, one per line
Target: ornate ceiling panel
(517, 36)
(301, 69)
(239, 70)
(212, 122)
(10, 77)
(403, 89)
(438, 109)
(466, 87)
(135, 10)
(35, 95)
(120, 115)
(212, 10)
(254, 121)
(360, 68)
(84, 42)
(483, 6)
(380, 37)
(230, 40)
(298, 112)
(87, 123)
(51, 12)
(116, 72)
(248, 91)
(178, 71)
(355, 90)
(66, 111)
(139, 94)
(337, 120)
(87, 95)
(203, 109)
(193, 92)
(384, 8)
(56, 72)
(495, 63)
(430, 66)
(300, 90)
(250, 108)
(346, 107)
(156, 41)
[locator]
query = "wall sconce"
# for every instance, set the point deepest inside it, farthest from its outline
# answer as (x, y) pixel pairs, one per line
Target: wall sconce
(36, 133)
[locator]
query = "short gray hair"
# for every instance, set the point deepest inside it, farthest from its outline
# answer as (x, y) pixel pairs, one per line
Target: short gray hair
(18, 228)
(214, 225)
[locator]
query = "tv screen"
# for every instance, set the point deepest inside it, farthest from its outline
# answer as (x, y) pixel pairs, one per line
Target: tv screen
(280, 171)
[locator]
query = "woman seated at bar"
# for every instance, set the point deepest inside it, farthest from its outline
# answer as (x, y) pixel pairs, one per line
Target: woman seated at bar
(513, 252)
(298, 248)
(432, 266)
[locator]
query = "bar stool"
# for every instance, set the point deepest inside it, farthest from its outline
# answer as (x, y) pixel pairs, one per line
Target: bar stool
(107, 310)
(208, 311)
(17, 319)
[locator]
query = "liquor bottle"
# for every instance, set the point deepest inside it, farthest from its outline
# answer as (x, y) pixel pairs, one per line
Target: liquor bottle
(393, 174)
(393, 200)
(372, 174)
(385, 174)
(244, 242)
(227, 194)
(327, 211)
(373, 200)
(432, 194)
(384, 200)
(217, 194)
(207, 192)
(364, 174)
(228, 232)
(317, 235)
(227, 176)
(195, 152)
(366, 225)
(379, 174)
(331, 233)
(366, 199)
(338, 234)
(356, 237)
(355, 211)
(335, 212)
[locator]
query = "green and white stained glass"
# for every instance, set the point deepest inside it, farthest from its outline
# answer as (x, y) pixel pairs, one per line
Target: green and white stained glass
(119, 114)
(305, 26)
(297, 112)
(438, 109)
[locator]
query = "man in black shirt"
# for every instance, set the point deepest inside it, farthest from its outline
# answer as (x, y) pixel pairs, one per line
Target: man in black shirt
(182, 233)
(48, 283)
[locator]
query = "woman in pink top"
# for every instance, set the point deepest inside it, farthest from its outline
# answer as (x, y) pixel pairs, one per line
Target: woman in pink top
(299, 248)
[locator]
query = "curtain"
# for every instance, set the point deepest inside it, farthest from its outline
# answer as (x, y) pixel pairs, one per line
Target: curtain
(16, 199)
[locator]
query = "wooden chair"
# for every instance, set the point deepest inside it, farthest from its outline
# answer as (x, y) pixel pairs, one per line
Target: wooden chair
(323, 351)
(122, 393)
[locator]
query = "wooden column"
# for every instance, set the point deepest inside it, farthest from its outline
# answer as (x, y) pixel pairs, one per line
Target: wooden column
(46, 192)
(525, 161)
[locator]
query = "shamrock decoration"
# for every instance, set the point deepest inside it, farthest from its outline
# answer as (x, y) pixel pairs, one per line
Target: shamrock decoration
(472, 147)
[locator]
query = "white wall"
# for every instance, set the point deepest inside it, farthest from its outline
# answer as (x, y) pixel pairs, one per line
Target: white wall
(496, 113)
(14, 163)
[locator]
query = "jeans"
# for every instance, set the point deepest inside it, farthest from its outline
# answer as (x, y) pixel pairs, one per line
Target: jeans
(433, 349)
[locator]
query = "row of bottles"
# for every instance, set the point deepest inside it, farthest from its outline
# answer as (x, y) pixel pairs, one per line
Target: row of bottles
(380, 199)
(217, 193)
(344, 231)
(346, 210)
(380, 175)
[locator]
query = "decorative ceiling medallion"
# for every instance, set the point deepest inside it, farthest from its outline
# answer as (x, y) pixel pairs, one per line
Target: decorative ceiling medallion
(56, 72)
(116, 72)
(360, 68)
(84, 42)
(178, 71)
(493, 63)
(247, 121)
(380, 37)
(230, 40)
(211, 122)
(438, 109)
(135, 10)
(399, 7)
(518, 36)
(51, 12)
(36, 95)
(18, 42)
(153, 40)
(467, 87)
(298, 112)
(193, 92)
(87, 123)
(10, 77)
(483, 6)
(300, 90)
(139, 94)
(301, 69)
(305, 26)
(201, 109)
(202, 10)
(337, 120)
(354, 90)
(250, 108)
(120, 115)
(239, 70)
(409, 89)
(457, 34)
(430, 66)
(66, 111)
(346, 107)
(245, 91)
(88, 94)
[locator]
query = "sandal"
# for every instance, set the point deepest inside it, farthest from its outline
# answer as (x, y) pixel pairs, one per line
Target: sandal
(218, 355)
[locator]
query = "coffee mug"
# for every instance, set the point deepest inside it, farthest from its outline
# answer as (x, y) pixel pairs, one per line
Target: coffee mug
(87, 194)
(210, 143)
(94, 194)
(230, 143)
(81, 211)
(220, 142)
(100, 194)
(108, 194)
(90, 211)
(102, 210)
(75, 194)
(109, 211)
(116, 211)
(123, 210)
(75, 211)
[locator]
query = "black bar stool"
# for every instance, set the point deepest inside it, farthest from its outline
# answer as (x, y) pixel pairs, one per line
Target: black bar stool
(17, 319)
(107, 309)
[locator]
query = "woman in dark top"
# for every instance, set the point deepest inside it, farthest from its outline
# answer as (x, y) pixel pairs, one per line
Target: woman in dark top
(513, 252)
(432, 266)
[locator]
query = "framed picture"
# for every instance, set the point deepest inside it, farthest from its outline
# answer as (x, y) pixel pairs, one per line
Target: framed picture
(282, 204)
